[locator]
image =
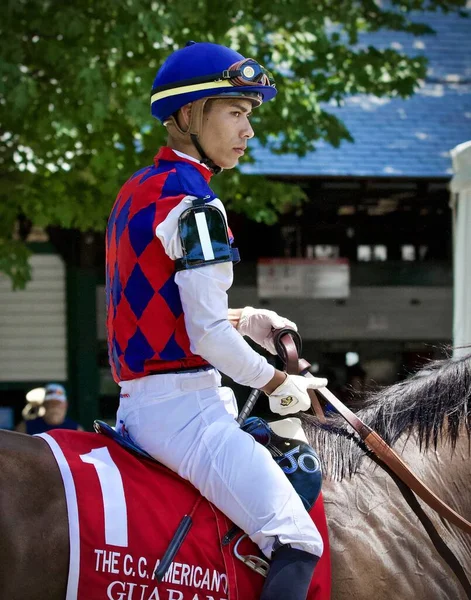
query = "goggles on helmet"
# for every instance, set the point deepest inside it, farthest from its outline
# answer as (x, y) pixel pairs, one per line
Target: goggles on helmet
(243, 73)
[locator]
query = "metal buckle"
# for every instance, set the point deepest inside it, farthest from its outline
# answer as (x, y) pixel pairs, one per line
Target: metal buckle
(257, 564)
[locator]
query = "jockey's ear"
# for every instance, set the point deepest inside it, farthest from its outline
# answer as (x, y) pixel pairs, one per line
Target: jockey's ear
(184, 116)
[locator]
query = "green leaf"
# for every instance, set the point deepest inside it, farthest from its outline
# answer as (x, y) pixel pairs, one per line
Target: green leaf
(14, 263)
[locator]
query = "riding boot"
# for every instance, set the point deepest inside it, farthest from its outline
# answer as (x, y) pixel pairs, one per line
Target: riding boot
(290, 574)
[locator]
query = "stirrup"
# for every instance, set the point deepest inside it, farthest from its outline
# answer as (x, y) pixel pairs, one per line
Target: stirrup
(257, 564)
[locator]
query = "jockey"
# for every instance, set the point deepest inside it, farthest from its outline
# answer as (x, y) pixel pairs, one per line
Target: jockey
(170, 331)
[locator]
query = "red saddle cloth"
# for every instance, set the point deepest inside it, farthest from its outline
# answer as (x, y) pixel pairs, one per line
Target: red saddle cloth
(123, 512)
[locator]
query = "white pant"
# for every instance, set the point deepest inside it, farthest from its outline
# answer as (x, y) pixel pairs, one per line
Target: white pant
(187, 422)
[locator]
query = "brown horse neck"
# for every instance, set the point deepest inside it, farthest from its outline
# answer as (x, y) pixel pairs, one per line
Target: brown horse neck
(34, 552)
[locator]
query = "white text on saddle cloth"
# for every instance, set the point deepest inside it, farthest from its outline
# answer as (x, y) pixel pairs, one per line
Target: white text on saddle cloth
(212, 585)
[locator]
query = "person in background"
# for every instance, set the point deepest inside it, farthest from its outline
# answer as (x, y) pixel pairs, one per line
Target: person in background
(55, 413)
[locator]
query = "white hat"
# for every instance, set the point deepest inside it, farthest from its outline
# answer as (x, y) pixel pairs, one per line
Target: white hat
(55, 391)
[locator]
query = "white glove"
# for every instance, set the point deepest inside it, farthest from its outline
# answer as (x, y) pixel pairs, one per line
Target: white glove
(259, 324)
(291, 396)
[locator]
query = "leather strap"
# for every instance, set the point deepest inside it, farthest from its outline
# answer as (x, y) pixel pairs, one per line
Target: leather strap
(288, 346)
(316, 405)
(379, 447)
(223, 524)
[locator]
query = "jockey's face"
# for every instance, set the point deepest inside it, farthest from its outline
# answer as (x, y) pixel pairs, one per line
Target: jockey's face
(226, 130)
(56, 411)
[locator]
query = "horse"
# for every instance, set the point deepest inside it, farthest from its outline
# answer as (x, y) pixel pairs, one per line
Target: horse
(378, 544)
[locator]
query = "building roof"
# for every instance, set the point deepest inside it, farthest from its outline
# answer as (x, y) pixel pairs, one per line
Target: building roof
(396, 137)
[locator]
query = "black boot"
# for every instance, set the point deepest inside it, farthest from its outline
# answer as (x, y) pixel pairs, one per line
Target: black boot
(290, 574)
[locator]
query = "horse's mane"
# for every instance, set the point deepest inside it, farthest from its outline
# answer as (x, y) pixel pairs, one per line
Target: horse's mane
(434, 404)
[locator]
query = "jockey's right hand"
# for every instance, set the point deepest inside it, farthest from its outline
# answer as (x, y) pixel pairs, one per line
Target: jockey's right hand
(260, 325)
(291, 396)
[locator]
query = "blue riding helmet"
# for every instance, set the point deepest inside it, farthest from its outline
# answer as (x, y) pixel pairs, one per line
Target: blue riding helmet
(203, 70)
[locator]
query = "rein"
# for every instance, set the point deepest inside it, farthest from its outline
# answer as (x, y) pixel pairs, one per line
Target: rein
(288, 350)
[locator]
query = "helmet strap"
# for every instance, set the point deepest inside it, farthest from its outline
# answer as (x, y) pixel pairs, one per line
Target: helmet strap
(194, 128)
(204, 158)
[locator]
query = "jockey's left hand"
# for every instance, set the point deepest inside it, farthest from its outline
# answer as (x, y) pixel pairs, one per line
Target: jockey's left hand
(292, 395)
(260, 324)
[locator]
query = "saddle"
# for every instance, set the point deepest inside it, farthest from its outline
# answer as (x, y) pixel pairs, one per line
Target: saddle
(297, 460)
(121, 437)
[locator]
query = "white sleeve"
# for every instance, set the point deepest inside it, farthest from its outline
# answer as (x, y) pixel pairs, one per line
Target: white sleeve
(203, 293)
